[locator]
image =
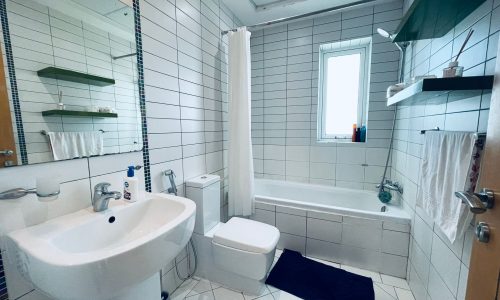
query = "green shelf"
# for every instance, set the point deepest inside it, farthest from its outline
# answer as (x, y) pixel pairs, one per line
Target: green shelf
(427, 19)
(77, 113)
(74, 76)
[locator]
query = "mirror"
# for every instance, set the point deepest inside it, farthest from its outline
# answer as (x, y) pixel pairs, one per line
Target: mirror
(77, 88)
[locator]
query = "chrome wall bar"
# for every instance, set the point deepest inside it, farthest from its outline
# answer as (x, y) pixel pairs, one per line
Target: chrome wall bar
(296, 17)
(123, 56)
(44, 132)
(479, 134)
(21, 192)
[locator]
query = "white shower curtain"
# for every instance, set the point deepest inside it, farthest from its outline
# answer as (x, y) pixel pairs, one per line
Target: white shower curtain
(240, 159)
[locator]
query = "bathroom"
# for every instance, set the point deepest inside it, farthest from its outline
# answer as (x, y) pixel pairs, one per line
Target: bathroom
(147, 86)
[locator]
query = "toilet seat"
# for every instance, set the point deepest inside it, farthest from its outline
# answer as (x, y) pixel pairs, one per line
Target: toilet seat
(247, 235)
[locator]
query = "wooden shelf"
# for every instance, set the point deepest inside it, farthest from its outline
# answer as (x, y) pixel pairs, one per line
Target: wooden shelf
(77, 113)
(74, 76)
(427, 19)
(457, 87)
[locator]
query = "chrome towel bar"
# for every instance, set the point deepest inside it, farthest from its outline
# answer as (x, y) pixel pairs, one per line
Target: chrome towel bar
(44, 132)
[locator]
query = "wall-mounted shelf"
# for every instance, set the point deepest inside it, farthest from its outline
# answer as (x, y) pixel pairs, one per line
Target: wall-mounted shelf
(77, 113)
(427, 19)
(458, 87)
(74, 76)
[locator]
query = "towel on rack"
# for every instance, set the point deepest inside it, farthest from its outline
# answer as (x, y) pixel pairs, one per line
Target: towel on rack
(450, 163)
(68, 145)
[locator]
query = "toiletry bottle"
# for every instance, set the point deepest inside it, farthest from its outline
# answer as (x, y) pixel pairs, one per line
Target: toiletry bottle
(358, 134)
(353, 132)
(362, 137)
(130, 186)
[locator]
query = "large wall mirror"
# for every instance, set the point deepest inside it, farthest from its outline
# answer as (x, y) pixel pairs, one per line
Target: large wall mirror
(70, 89)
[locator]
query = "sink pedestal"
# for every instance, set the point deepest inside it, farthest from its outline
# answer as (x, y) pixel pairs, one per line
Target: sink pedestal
(149, 289)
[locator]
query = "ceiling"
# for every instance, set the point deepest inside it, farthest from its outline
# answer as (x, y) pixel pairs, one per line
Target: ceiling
(115, 16)
(115, 10)
(252, 12)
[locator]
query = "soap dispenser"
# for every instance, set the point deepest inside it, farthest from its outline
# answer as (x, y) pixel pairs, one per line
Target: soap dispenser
(130, 186)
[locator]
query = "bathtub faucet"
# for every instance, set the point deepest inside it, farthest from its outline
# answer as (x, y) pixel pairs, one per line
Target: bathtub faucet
(393, 186)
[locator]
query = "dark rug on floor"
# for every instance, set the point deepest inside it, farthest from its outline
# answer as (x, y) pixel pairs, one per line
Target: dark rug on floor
(312, 280)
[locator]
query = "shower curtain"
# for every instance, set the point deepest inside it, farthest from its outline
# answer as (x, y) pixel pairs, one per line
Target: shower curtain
(240, 159)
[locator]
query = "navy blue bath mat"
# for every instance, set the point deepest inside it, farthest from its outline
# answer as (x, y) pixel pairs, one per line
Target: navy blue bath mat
(312, 280)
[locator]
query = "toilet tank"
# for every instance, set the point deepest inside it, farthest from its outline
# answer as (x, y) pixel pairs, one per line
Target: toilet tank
(204, 190)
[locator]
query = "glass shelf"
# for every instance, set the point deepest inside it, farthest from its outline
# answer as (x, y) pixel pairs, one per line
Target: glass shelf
(77, 113)
(74, 76)
(457, 87)
(427, 19)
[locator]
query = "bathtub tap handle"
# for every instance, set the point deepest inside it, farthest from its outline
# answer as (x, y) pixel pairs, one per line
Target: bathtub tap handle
(392, 186)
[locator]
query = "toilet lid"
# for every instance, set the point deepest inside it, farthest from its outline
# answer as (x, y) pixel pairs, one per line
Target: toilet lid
(247, 235)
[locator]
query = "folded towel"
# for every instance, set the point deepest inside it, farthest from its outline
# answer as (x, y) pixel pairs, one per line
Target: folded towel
(68, 145)
(450, 163)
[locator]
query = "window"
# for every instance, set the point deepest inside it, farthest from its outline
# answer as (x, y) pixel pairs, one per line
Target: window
(343, 88)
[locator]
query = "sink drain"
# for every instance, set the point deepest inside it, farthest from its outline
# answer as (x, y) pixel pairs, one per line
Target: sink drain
(111, 219)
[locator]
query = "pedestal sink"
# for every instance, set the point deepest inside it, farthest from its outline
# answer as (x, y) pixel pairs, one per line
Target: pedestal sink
(115, 254)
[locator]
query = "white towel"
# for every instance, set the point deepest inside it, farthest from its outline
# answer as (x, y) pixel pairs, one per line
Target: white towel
(68, 145)
(450, 163)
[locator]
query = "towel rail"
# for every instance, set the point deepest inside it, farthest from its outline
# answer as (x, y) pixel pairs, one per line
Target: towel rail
(479, 134)
(479, 143)
(44, 132)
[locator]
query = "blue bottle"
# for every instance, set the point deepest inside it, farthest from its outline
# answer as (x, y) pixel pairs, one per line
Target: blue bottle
(362, 134)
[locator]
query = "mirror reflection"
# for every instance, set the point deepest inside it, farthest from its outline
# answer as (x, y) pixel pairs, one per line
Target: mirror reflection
(70, 89)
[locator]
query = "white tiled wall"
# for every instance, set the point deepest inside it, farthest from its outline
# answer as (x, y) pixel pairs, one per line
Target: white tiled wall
(371, 244)
(185, 66)
(186, 96)
(284, 99)
(437, 269)
(43, 37)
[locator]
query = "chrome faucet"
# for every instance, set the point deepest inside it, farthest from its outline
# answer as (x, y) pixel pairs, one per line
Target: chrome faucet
(101, 197)
(173, 188)
(393, 186)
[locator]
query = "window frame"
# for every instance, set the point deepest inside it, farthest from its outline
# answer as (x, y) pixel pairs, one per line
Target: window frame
(326, 51)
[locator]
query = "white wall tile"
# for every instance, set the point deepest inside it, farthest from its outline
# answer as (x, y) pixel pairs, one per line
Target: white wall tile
(324, 230)
(291, 224)
(292, 242)
(446, 264)
(394, 242)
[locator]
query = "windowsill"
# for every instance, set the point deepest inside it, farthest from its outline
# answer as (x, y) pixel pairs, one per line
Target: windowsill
(339, 141)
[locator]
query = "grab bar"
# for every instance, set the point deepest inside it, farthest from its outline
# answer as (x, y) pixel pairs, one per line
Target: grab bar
(44, 132)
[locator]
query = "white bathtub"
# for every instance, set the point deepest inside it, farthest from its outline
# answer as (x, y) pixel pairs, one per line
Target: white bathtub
(359, 203)
(341, 225)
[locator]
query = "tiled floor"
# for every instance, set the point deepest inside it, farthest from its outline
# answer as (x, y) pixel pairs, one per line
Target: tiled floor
(386, 288)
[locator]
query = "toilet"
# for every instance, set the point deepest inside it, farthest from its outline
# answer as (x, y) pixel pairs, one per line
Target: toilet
(238, 253)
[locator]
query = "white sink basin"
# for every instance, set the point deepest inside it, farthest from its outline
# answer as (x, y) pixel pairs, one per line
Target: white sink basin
(88, 255)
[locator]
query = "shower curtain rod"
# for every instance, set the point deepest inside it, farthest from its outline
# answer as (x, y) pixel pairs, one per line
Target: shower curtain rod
(296, 17)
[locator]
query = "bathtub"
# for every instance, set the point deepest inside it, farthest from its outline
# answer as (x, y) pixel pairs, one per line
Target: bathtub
(341, 225)
(359, 203)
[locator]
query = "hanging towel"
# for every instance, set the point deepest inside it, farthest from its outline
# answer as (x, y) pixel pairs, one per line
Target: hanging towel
(450, 163)
(68, 145)
(240, 160)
